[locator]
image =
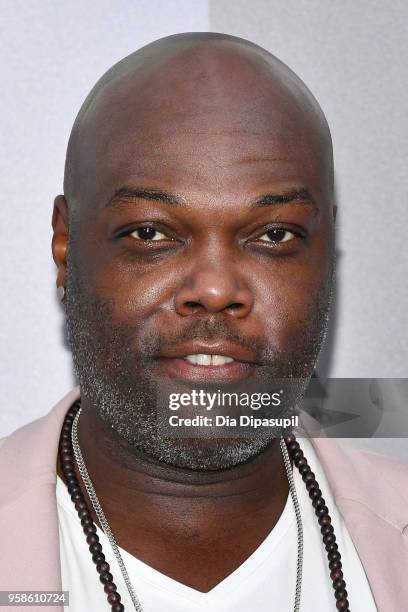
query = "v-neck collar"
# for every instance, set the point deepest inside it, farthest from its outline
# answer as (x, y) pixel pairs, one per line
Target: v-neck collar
(157, 579)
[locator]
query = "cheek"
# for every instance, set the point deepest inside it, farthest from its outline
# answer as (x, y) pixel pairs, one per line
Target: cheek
(138, 295)
(289, 301)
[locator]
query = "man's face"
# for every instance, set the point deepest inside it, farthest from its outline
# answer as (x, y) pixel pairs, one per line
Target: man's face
(207, 229)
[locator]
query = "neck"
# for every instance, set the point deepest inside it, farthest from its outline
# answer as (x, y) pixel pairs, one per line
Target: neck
(118, 470)
(207, 515)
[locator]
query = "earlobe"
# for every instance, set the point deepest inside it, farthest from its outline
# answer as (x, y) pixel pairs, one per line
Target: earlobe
(60, 237)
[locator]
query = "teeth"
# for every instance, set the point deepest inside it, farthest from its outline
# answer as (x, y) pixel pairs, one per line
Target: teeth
(220, 359)
(208, 360)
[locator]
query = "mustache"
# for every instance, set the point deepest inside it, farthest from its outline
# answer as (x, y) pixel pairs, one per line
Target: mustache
(210, 329)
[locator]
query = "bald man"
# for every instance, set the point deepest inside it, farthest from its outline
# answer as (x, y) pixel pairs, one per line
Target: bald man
(194, 245)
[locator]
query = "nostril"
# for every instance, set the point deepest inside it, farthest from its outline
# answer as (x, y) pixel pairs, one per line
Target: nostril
(193, 307)
(235, 306)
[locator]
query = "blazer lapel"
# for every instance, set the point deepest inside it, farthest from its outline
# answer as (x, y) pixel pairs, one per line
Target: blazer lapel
(370, 491)
(30, 557)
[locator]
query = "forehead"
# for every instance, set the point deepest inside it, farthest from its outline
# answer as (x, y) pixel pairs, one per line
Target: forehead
(217, 124)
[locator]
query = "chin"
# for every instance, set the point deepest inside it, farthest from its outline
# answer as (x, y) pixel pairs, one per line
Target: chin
(210, 455)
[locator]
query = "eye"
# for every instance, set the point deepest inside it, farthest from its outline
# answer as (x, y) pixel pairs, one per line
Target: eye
(148, 234)
(277, 235)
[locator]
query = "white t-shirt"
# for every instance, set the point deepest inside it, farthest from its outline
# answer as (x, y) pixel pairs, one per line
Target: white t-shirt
(264, 582)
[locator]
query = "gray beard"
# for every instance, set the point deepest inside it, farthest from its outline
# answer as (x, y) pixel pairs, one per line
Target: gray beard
(117, 384)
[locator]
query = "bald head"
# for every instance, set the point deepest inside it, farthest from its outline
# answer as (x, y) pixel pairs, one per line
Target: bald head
(199, 92)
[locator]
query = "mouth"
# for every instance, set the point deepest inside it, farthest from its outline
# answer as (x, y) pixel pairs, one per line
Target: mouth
(227, 364)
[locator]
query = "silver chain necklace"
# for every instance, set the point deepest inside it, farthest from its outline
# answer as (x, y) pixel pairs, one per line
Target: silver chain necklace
(108, 531)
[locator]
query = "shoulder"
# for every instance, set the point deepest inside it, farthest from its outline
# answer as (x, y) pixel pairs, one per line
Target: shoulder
(51, 421)
(377, 482)
(374, 463)
(343, 455)
(28, 455)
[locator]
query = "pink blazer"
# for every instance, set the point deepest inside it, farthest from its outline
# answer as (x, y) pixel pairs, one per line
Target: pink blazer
(371, 492)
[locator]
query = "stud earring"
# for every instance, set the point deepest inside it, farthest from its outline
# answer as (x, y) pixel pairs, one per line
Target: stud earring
(61, 292)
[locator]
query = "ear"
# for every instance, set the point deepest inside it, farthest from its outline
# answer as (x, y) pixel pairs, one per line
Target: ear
(60, 237)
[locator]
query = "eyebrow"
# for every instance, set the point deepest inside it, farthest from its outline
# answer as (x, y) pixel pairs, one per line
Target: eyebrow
(301, 196)
(157, 195)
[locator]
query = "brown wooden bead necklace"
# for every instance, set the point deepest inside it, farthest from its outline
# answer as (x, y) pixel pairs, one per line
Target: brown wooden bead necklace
(67, 460)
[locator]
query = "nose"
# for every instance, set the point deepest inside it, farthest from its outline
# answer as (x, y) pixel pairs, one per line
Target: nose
(214, 288)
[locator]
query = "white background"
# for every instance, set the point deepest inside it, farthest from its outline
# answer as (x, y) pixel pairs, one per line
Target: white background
(351, 54)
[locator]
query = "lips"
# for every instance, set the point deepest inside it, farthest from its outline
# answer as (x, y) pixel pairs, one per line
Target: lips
(195, 361)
